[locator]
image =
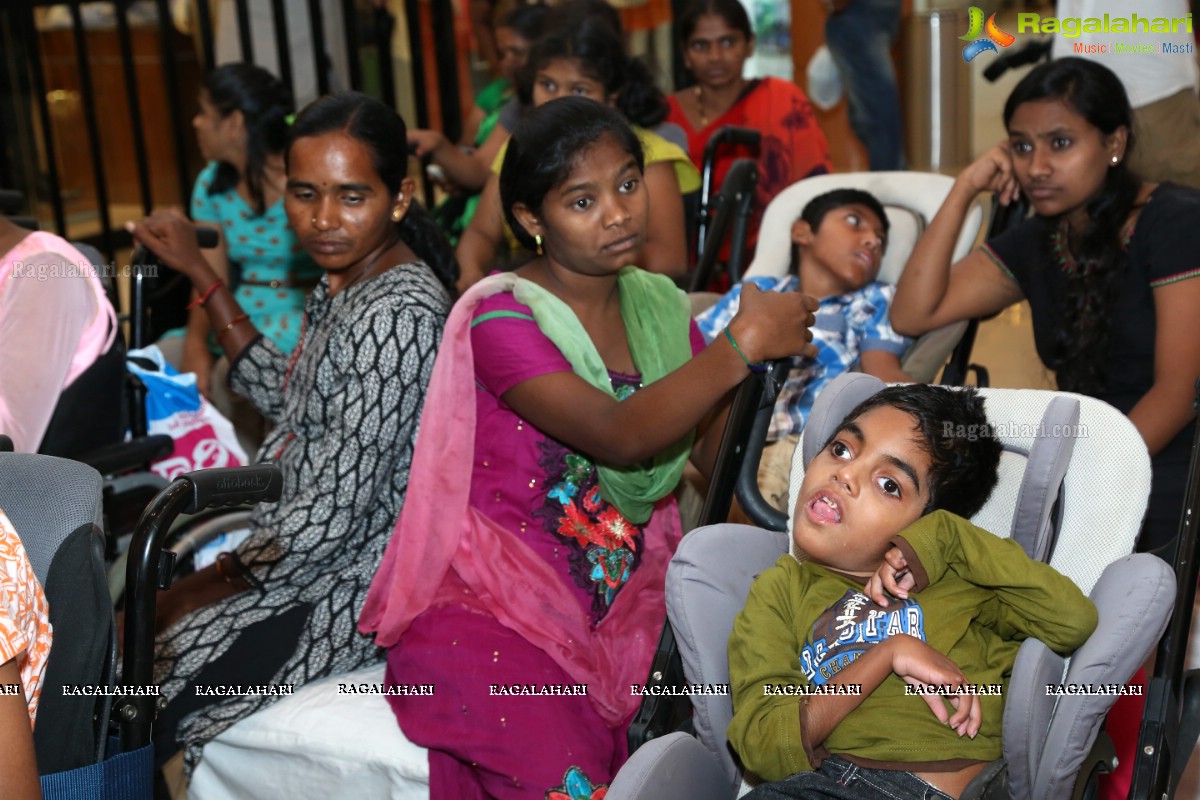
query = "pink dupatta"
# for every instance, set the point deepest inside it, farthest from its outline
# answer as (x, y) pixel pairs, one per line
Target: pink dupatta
(444, 551)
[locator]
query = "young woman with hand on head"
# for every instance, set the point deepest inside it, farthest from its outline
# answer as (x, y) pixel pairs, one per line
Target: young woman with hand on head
(281, 608)
(583, 56)
(1107, 263)
(571, 393)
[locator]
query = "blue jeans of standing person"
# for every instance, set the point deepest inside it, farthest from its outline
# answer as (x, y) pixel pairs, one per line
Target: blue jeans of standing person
(860, 38)
(838, 779)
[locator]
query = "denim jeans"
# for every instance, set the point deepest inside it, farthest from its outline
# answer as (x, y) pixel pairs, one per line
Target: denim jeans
(838, 779)
(860, 38)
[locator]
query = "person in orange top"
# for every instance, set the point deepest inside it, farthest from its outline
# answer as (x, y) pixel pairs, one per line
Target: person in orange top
(717, 39)
(24, 647)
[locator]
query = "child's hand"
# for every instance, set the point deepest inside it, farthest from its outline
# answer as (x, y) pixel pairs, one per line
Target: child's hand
(771, 325)
(920, 665)
(993, 172)
(892, 578)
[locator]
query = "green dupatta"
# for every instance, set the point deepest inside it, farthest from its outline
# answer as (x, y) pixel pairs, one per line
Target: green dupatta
(657, 316)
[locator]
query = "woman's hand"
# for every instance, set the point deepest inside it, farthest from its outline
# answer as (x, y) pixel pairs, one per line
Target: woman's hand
(920, 665)
(772, 325)
(172, 237)
(993, 172)
(892, 578)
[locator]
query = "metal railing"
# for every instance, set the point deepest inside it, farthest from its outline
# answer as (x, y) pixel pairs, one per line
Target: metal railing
(95, 113)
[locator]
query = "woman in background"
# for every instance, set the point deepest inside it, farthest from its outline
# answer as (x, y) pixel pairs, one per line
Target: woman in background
(241, 129)
(582, 55)
(717, 39)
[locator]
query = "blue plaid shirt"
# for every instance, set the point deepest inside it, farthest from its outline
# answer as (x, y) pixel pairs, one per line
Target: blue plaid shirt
(847, 326)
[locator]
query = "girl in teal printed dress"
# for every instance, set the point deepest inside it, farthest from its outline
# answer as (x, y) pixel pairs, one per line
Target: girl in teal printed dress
(241, 128)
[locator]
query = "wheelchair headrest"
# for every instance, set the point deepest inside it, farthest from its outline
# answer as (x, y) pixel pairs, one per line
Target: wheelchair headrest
(1035, 465)
(910, 199)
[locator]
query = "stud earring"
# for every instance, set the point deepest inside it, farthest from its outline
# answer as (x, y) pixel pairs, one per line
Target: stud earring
(538, 241)
(1115, 159)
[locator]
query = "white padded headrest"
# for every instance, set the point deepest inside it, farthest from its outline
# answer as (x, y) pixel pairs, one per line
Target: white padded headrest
(1053, 442)
(909, 198)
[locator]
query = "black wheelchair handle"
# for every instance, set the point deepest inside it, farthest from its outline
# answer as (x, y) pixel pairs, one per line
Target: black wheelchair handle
(234, 486)
(732, 134)
(11, 201)
(206, 239)
(146, 566)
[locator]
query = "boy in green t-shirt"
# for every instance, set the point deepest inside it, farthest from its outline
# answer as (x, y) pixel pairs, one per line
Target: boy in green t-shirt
(905, 616)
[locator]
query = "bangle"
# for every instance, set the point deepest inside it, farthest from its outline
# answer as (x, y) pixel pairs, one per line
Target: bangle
(232, 324)
(203, 299)
(752, 365)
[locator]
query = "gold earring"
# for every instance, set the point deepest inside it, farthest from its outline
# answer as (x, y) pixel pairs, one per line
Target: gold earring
(538, 241)
(397, 215)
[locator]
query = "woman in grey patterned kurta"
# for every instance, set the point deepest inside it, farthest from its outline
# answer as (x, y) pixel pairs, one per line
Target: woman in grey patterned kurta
(345, 408)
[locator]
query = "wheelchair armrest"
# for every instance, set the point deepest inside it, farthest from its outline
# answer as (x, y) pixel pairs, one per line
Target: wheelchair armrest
(126, 456)
(675, 765)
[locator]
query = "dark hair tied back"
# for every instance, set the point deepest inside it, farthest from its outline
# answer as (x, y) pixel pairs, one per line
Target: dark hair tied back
(600, 51)
(383, 132)
(265, 104)
(546, 146)
(1082, 343)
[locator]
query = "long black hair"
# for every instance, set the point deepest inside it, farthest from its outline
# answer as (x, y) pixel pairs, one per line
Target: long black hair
(265, 105)
(1093, 92)
(383, 132)
(546, 146)
(591, 40)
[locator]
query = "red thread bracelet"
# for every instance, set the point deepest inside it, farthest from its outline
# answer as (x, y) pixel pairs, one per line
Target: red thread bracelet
(233, 323)
(202, 299)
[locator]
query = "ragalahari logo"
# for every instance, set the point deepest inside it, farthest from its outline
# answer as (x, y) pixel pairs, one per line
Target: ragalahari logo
(995, 36)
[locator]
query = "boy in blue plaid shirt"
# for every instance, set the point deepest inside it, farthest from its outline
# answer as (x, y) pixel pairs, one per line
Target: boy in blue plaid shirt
(839, 243)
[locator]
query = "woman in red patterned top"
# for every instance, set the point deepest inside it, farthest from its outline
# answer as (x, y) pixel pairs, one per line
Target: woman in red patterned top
(717, 39)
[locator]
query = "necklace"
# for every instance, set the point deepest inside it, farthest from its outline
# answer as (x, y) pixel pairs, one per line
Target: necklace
(700, 106)
(1066, 259)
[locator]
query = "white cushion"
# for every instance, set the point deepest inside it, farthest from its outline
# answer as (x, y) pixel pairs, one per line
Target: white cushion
(316, 743)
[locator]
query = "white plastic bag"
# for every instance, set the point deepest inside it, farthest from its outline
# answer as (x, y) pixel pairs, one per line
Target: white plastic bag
(174, 406)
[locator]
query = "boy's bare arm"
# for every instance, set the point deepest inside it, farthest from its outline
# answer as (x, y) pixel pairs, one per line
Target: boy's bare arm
(912, 660)
(884, 365)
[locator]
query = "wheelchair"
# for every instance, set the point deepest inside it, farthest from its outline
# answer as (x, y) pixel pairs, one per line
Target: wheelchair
(97, 743)
(1062, 489)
